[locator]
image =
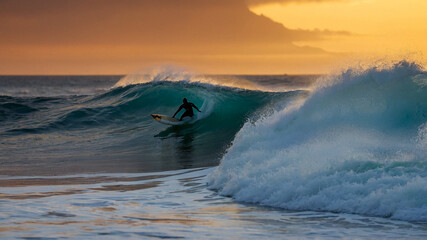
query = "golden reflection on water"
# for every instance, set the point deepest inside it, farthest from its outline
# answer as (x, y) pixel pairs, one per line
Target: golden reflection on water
(180, 218)
(133, 220)
(104, 209)
(15, 229)
(24, 182)
(120, 187)
(131, 187)
(32, 195)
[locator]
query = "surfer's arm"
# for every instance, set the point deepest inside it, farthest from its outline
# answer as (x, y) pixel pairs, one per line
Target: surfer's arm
(195, 107)
(177, 111)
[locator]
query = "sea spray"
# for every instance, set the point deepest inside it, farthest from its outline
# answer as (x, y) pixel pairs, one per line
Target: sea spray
(176, 74)
(356, 145)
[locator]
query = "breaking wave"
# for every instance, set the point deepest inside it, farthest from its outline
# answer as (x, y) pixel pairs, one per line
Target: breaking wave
(357, 144)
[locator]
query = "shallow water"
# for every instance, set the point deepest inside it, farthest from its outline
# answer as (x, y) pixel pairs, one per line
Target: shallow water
(173, 204)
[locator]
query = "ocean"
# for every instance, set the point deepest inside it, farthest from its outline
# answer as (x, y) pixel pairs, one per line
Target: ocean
(269, 157)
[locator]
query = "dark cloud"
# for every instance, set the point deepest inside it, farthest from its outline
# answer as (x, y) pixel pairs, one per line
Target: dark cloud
(175, 24)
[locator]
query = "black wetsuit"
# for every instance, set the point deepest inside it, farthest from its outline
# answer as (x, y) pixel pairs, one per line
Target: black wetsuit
(188, 106)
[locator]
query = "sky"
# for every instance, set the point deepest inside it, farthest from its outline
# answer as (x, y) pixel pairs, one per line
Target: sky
(206, 36)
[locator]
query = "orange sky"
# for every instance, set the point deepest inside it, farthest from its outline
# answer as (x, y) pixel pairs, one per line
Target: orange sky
(208, 36)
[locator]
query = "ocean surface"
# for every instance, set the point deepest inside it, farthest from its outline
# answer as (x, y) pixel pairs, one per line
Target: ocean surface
(273, 157)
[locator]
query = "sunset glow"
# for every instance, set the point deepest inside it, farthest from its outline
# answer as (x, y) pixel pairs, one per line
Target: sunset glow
(374, 26)
(220, 37)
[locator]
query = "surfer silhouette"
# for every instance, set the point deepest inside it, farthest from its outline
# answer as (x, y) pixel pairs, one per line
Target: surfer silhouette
(188, 106)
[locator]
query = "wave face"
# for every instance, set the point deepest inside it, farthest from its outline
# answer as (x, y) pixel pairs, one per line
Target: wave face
(113, 131)
(357, 144)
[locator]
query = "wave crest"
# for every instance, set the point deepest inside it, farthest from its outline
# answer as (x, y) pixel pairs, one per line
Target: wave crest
(174, 74)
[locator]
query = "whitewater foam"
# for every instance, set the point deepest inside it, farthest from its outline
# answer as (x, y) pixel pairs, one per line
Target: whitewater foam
(356, 145)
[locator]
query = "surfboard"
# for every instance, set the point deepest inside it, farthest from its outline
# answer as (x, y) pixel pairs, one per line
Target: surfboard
(168, 120)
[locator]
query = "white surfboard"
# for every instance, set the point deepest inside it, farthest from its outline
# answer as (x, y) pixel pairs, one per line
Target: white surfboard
(168, 120)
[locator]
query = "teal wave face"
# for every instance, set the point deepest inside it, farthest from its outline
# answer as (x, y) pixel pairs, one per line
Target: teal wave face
(102, 130)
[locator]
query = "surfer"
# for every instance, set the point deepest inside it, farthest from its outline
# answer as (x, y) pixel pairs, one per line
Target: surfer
(188, 106)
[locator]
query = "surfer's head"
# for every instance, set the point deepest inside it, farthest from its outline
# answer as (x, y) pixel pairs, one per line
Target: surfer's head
(184, 100)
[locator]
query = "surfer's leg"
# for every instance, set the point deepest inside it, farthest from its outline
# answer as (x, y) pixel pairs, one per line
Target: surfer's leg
(186, 114)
